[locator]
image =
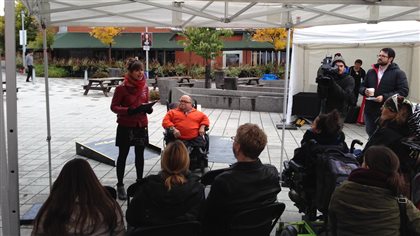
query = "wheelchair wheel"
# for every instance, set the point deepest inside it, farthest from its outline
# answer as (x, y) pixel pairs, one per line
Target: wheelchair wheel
(289, 230)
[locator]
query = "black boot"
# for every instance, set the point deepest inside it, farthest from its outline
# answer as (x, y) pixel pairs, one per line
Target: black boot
(122, 195)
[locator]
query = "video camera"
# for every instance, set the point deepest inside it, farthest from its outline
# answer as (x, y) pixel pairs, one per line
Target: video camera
(327, 67)
(326, 71)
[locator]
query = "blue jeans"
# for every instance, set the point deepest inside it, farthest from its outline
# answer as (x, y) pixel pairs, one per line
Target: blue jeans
(370, 123)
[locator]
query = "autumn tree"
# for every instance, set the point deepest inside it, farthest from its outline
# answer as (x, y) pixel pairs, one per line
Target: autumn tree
(106, 35)
(30, 24)
(275, 36)
(38, 42)
(205, 42)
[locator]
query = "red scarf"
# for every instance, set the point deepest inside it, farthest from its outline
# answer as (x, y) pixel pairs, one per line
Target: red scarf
(139, 84)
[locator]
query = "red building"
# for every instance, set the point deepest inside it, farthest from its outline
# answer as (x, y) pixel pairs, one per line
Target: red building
(239, 49)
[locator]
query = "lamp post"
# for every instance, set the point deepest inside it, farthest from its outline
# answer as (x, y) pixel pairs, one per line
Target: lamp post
(22, 14)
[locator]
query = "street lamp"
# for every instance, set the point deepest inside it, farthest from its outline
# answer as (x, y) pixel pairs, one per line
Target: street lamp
(22, 14)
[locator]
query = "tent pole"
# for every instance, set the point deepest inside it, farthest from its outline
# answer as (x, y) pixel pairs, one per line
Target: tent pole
(3, 165)
(47, 99)
(10, 219)
(286, 87)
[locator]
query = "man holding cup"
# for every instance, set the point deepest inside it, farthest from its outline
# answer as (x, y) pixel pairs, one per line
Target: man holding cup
(381, 82)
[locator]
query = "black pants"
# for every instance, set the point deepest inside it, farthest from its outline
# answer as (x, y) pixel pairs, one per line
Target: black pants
(30, 68)
(122, 157)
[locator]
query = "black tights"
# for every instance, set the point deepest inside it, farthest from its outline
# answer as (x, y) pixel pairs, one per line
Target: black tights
(122, 157)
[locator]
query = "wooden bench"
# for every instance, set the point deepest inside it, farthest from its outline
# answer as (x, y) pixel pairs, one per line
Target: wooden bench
(4, 88)
(103, 84)
(249, 80)
(186, 84)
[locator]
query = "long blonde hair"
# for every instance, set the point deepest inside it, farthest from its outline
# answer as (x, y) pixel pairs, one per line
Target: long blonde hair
(175, 163)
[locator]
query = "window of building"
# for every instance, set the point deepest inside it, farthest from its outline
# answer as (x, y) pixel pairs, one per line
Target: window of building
(232, 58)
(267, 57)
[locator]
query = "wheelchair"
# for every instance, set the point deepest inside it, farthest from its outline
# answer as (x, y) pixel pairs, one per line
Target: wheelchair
(198, 152)
(302, 175)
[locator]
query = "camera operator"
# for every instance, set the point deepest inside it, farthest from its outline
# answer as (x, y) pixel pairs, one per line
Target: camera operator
(335, 87)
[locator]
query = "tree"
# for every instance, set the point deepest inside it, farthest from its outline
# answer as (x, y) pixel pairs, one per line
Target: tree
(30, 23)
(2, 48)
(38, 43)
(205, 42)
(275, 36)
(106, 35)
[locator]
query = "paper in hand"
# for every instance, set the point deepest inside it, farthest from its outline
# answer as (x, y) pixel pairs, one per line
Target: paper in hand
(147, 106)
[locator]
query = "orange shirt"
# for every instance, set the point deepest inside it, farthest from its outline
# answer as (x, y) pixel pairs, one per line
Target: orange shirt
(187, 124)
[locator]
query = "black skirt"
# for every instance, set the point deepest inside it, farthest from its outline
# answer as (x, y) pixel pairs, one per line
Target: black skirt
(131, 136)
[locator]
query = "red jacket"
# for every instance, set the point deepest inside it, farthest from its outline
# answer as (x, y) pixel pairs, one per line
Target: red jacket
(126, 97)
(187, 124)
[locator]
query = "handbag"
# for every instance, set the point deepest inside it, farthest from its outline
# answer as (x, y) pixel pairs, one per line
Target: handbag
(402, 204)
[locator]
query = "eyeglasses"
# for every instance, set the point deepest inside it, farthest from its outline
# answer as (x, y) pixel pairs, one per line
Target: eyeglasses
(385, 106)
(383, 56)
(184, 101)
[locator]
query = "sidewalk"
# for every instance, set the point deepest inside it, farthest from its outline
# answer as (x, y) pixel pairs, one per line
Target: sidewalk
(75, 117)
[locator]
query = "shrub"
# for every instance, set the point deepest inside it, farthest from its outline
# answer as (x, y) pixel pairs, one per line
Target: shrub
(100, 74)
(197, 72)
(53, 71)
(180, 69)
(19, 62)
(233, 72)
(154, 95)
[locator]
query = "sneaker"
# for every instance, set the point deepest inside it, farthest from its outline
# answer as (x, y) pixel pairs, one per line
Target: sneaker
(122, 195)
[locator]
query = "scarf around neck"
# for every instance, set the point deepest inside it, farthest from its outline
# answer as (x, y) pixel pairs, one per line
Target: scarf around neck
(369, 177)
(128, 81)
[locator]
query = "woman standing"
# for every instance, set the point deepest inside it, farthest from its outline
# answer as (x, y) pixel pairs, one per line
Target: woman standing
(132, 120)
(79, 205)
(171, 196)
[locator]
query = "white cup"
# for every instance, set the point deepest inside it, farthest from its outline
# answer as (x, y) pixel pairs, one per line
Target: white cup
(370, 92)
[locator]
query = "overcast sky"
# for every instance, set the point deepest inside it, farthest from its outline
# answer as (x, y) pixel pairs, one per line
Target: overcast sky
(1, 8)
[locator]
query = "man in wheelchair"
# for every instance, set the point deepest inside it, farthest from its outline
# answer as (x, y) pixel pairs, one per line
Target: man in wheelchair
(189, 125)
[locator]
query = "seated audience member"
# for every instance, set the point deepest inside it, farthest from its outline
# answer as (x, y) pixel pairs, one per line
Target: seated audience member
(170, 196)
(247, 184)
(186, 123)
(366, 204)
(79, 205)
(326, 130)
(393, 127)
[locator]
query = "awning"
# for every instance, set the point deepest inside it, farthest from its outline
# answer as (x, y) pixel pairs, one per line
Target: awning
(125, 40)
(161, 41)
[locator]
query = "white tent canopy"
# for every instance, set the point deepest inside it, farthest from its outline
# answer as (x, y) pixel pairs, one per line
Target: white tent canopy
(232, 14)
(354, 41)
(162, 13)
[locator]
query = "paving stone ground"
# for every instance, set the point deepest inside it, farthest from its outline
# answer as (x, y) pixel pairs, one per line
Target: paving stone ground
(75, 117)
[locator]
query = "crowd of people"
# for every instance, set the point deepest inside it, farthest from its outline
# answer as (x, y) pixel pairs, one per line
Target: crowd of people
(369, 203)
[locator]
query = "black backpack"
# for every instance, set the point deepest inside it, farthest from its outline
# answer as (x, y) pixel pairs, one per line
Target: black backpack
(332, 168)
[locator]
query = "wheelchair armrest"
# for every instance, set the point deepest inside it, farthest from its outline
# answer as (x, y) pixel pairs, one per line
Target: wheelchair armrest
(353, 143)
(295, 166)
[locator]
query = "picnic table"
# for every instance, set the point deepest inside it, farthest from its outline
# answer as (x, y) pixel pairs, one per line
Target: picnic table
(249, 80)
(103, 84)
(182, 80)
(4, 88)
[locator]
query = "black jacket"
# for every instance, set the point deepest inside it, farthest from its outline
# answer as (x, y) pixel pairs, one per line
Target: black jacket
(358, 76)
(153, 204)
(338, 93)
(391, 135)
(245, 185)
(393, 81)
